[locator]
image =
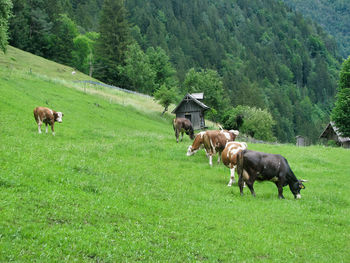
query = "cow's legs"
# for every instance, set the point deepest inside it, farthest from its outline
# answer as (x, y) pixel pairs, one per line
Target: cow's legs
(52, 128)
(219, 157)
(240, 184)
(39, 122)
(39, 127)
(182, 135)
(210, 159)
(177, 135)
(232, 175)
(251, 188)
(46, 129)
(280, 190)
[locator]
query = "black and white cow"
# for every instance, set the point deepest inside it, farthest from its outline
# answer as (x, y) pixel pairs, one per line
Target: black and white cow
(252, 165)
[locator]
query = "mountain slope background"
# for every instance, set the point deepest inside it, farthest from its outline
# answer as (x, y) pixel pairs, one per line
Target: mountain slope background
(267, 55)
(333, 16)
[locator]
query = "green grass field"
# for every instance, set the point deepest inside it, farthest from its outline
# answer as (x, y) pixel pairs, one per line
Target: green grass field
(114, 186)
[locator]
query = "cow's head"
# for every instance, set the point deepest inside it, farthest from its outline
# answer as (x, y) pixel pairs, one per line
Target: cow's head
(190, 133)
(296, 187)
(58, 116)
(190, 151)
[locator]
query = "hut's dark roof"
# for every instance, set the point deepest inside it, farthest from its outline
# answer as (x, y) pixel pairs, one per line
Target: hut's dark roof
(331, 126)
(191, 97)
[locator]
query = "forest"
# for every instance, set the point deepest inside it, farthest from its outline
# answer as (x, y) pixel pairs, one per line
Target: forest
(250, 58)
(332, 15)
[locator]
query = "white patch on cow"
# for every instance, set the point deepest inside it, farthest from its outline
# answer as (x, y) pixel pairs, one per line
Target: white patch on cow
(39, 128)
(227, 135)
(232, 177)
(51, 112)
(190, 152)
(245, 175)
(235, 132)
(201, 134)
(46, 128)
(212, 145)
(210, 160)
(298, 196)
(59, 117)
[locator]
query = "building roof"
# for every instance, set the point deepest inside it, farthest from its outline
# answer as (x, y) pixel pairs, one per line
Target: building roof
(189, 97)
(198, 96)
(331, 126)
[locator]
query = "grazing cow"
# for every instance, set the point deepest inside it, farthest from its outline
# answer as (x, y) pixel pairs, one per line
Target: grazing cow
(197, 144)
(213, 141)
(47, 116)
(229, 157)
(261, 166)
(182, 125)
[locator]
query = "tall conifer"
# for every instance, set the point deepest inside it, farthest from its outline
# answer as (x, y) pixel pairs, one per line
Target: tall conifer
(114, 37)
(341, 111)
(5, 12)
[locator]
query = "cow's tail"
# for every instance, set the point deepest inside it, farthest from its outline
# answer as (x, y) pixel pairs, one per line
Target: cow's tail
(240, 163)
(174, 124)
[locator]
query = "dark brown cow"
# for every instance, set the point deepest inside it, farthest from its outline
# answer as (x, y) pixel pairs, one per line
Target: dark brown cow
(229, 157)
(261, 166)
(182, 125)
(47, 116)
(214, 141)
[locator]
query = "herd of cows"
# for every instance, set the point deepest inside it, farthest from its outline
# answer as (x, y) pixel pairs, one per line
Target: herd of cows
(251, 165)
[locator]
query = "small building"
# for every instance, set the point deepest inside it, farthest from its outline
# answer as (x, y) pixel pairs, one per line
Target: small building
(331, 133)
(301, 141)
(193, 109)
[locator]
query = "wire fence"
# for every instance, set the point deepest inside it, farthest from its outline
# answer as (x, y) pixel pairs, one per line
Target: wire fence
(112, 87)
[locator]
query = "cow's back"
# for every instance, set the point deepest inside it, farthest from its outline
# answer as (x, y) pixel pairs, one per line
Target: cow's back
(229, 154)
(182, 123)
(266, 165)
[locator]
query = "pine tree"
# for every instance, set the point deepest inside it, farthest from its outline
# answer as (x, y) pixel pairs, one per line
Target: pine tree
(341, 110)
(114, 38)
(5, 12)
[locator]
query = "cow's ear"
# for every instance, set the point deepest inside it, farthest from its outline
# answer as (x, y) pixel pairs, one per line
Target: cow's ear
(55, 115)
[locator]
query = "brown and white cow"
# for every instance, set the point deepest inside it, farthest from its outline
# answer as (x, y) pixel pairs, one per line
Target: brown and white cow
(197, 144)
(47, 116)
(214, 141)
(229, 157)
(182, 125)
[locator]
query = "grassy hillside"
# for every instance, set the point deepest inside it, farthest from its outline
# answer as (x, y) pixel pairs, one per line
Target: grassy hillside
(114, 186)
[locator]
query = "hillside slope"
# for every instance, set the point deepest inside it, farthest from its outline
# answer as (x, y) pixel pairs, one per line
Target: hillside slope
(113, 185)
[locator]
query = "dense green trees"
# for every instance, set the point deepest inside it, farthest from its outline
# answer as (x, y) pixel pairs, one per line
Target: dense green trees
(113, 41)
(165, 96)
(209, 82)
(254, 122)
(341, 110)
(5, 12)
(333, 15)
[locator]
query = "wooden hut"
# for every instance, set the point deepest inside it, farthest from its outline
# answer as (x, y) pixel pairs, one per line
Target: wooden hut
(331, 133)
(301, 141)
(193, 109)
